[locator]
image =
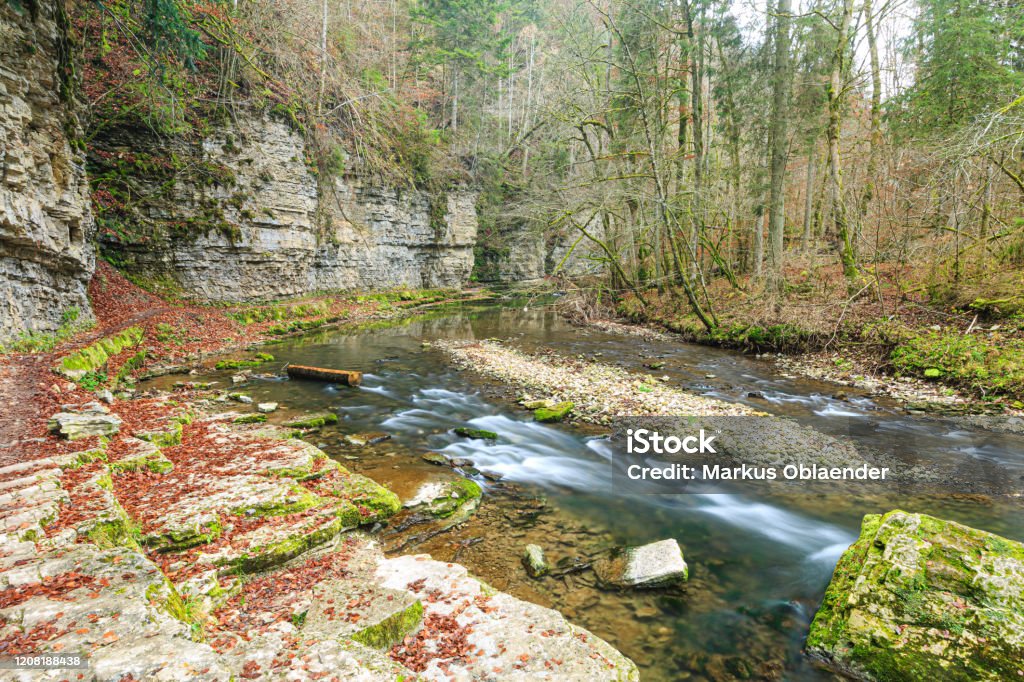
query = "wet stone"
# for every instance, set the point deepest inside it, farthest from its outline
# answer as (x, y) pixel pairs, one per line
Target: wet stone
(657, 564)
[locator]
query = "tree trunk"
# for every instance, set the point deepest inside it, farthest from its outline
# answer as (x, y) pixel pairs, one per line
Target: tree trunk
(835, 105)
(875, 140)
(455, 98)
(809, 198)
(780, 144)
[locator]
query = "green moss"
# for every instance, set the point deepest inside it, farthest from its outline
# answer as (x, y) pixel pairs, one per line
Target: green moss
(96, 355)
(553, 414)
(479, 434)
(299, 499)
(154, 462)
(984, 363)
(180, 540)
(378, 502)
(920, 598)
(467, 493)
(165, 437)
(393, 629)
(117, 533)
(313, 421)
(273, 555)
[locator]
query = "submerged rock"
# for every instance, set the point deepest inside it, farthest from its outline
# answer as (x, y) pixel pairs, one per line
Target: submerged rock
(479, 434)
(535, 561)
(76, 425)
(435, 458)
(655, 565)
(918, 598)
(553, 414)
(360, 439)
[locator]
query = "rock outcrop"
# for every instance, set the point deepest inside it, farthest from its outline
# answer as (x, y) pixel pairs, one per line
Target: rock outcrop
(919, 598)
(243, 216)
(46, 224)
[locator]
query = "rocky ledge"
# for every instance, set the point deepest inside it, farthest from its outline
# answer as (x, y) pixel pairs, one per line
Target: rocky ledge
(186, 546)
(918, 598)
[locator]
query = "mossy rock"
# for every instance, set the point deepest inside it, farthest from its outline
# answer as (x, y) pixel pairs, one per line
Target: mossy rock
(919, 598)
(374, 501)
(166, 437)
(250, 419)
(96, 355)
(479, 434)
(553, 414)
(458, 499)
(313, 421)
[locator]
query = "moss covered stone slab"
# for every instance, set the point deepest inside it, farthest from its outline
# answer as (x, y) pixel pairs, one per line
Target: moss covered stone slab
(555, 413)
(96, 355)
(140, 455)
(919, 598)
(375, 616)
(271, 545)
(313, 421)
(199, 516)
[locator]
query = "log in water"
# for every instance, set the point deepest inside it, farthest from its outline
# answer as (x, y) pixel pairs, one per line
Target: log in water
(341, 376)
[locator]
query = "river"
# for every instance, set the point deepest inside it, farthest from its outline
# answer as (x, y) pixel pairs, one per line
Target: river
(758, 566)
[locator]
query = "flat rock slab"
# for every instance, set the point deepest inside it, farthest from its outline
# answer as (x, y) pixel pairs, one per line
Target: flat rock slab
(506, 638)
(370, 614)
(77, 425)
(654, 565)
(207, 502)
(140, 455)
(919, 598)
(109, 605)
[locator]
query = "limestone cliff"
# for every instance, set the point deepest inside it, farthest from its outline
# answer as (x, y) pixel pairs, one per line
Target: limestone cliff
(243, 215)
(46, 256)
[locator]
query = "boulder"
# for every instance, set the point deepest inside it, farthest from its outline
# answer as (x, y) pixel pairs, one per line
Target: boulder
(919, 598)
(535, 562)
(266, 408)
(537, 404)
(553, 414)
(655, 565)
(76, 425)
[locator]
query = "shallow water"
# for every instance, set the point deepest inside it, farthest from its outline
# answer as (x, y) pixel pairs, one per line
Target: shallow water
(758, 566)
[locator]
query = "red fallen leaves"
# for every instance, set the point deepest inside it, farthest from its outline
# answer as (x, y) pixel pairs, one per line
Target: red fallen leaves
(440, 639)
(30, 641)
(245, 615)
(56, 587)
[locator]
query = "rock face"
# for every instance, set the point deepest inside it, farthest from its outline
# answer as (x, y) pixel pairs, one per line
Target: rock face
(241, 216)
(918, 598)
(655, 565)
(46, 224)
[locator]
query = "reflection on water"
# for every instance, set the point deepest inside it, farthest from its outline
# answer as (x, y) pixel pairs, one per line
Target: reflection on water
(758, 566)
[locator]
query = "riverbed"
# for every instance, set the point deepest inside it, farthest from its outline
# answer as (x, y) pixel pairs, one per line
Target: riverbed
(758, 565)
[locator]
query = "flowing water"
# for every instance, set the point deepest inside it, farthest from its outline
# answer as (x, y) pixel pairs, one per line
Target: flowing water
(758, 567)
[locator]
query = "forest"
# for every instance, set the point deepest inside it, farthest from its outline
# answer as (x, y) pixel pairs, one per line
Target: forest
(765, 176)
